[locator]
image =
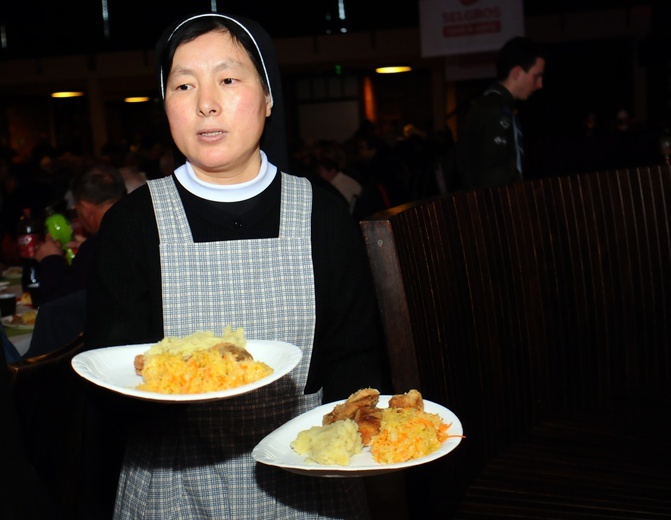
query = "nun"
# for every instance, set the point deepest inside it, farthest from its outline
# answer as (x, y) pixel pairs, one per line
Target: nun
(232, 238)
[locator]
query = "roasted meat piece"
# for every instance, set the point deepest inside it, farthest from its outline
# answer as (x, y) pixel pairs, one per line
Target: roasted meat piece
(138, 363)
(367, 397)
(239, 353)
(369, 421)
(411, 399)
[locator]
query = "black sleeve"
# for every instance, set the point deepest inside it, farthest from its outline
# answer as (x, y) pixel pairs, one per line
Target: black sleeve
(349, 349)
(124, 282)
(58, 279)
(52, 274)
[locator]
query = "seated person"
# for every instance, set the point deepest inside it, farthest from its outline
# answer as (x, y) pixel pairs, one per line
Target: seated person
(58, 323)
(94, 191)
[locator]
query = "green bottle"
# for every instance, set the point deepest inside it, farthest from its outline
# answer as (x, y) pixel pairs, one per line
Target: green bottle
(59, 227)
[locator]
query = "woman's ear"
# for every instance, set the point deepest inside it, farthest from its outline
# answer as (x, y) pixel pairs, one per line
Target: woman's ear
(269, 105)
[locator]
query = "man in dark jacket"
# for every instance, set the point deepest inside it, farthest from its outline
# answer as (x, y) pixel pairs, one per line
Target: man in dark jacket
(490, 148)
(94, 191)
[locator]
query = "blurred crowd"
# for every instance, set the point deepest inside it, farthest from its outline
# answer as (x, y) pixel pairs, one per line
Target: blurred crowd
(371, 170)
(43, 180)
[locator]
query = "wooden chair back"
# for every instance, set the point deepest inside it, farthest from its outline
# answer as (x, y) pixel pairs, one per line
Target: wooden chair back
(512, 304)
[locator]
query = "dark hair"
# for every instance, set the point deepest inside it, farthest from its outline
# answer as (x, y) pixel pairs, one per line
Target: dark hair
(99, 183)
(196, 27)
(517, 52)
(328, 163)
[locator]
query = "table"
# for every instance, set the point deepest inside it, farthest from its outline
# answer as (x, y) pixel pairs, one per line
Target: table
(19, 337)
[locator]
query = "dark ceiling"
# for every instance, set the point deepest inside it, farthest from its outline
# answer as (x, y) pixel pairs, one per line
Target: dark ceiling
(42, 28)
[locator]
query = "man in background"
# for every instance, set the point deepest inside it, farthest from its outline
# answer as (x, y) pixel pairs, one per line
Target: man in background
(62, 286)
(490, 148)
(94, 191)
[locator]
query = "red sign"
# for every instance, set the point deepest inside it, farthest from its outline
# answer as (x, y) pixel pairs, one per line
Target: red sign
(452, 27)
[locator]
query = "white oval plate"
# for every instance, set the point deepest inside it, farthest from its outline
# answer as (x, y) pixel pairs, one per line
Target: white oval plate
(113, 368)
(13, 272)
(275, 449)
(7, 322)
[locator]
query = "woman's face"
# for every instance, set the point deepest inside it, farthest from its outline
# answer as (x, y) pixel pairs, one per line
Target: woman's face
(216, 108)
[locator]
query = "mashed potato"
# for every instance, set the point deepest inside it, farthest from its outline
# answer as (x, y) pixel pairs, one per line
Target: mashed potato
(190, 365)
(197, 341)
(333, 444)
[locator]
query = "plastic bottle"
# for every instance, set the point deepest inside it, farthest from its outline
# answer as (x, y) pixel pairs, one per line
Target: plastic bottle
(29, 236)
(60, 229)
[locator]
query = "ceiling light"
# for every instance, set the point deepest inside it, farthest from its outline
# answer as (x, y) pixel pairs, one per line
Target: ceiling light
(393, 70)
(136, 99)
(66, 94)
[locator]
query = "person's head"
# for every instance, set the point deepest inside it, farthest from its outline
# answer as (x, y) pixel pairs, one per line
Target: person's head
(327, 168)
(520, 66)
(370, 146)
(94, 191)
(220, 82)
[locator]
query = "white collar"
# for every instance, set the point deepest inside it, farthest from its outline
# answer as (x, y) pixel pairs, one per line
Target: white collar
(227, 192)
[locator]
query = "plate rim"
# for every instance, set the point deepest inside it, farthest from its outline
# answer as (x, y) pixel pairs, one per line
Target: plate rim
(294, 355)
(319, 470)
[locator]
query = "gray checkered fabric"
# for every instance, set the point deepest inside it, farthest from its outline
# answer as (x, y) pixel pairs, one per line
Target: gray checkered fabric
(202, 468)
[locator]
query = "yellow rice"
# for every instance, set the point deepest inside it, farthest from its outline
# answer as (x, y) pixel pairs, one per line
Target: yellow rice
(407, 433)
(188, 365)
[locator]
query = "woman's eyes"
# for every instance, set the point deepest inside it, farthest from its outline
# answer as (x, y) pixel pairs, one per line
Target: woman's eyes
(188, 86)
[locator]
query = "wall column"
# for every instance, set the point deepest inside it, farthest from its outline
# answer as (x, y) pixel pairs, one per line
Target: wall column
(98, 116)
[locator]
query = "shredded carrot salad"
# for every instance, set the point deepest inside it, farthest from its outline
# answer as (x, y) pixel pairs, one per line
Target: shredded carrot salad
(202, 371)
(407, 433)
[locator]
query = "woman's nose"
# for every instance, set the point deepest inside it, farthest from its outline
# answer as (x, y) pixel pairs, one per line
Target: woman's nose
(207, 103)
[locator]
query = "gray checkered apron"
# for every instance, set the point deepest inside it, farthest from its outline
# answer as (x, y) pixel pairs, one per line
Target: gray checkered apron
(201, 467)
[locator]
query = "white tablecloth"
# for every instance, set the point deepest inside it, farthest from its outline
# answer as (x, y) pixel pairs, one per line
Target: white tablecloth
(22, 342)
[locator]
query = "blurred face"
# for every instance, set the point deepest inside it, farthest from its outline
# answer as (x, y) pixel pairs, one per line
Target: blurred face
(216, 108)
(526, 83)
(86, 215)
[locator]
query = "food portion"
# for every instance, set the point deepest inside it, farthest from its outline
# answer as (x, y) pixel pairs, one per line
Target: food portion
(362, 399)
(407, 433)
(26, 299)
(400, 432)
(26, 318)
(198, 363)
(334, 443)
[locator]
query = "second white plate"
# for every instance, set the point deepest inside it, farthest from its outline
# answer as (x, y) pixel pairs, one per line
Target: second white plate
(275, 449)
